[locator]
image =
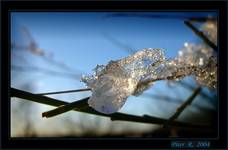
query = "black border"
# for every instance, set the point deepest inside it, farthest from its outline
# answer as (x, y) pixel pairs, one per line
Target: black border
(7, 142)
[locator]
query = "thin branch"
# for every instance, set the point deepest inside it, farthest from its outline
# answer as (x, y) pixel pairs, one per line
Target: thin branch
(63, 108)
(203, 94)
(68, 107)
(68, 91)
(82, 106)
(172, 100)
(201, 35)
(185, 104)
(72, 105)
(41, 99)
(153, 120)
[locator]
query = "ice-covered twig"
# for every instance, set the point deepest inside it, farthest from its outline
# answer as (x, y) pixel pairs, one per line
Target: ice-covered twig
(68, 107)
(112, 84)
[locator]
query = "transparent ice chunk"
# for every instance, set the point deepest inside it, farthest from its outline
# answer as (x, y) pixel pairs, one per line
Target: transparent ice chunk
(112, 84)
(201, 61)
(198, 60)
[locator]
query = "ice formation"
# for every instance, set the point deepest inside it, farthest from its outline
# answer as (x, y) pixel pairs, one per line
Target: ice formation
(198, 60)
(203, 63)
(112, 84)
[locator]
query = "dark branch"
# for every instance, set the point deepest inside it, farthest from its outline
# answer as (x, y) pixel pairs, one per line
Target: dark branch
(185, 104)
(68, 91)
(82, 106)
(190, 87)
(201, 35)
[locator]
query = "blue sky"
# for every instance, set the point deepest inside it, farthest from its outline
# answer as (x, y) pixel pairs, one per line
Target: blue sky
(78, 39)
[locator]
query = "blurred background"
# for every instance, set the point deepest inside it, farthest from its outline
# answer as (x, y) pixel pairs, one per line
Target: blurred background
(50, 51)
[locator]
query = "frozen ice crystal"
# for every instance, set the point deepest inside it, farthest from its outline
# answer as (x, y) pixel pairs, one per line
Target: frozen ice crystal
(197, 60)
(112, 84)
(203, 62)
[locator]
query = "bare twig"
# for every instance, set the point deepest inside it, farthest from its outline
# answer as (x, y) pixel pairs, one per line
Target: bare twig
(63, 108)
(82, 106)
(185, 104)
(190, 87)
(41, 99)
(172, 100)
(68, 91)
(201, 35)
(70, 106)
